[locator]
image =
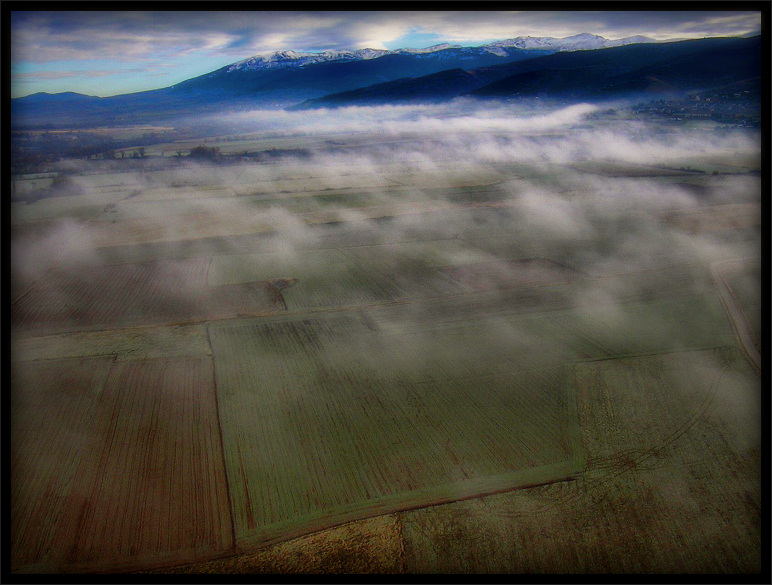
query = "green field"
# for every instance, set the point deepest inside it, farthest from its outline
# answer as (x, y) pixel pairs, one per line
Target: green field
(744, 282)
(325, 421)
(672, 483)
(659, 326)
(326, 278)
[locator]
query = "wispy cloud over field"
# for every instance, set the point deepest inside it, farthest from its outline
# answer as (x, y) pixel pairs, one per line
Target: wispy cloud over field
(568, 208)
(427, 265)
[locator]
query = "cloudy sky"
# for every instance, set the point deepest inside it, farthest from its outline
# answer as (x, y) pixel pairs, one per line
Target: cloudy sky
(109, 52)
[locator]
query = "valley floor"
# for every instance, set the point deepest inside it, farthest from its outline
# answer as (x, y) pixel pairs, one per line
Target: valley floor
(435, 367)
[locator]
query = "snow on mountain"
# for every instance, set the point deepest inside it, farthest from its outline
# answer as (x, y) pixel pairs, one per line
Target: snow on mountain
(432, 49)
(294, 59)
(631, 41)
(580, 42)
(526, 43)
(287, 59)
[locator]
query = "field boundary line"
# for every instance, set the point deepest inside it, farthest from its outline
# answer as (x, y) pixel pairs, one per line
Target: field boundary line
(222, 441)
(565, 470)
(734, 311)
(609, 474)
(624, 356)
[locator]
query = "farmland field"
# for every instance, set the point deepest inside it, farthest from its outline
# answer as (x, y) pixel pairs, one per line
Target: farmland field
(316, 428)
(151, 425)
(326, 278)
(52, 403)
(448, 357)
(123, 343)
(133, 294)
(743, 280)
(655, 429)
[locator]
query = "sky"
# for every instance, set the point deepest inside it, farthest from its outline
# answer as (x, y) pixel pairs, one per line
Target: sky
(107, 53)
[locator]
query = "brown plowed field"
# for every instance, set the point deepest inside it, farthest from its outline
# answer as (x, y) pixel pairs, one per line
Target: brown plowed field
(53, 403)
(147, 480)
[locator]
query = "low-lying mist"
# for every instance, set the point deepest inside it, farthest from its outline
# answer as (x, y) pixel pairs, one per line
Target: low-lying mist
(534, 229)
(581, 187)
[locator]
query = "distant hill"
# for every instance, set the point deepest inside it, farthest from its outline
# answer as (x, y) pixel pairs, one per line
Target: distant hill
(429, 88)
(672, 67)
(593, 74)
(57, 98)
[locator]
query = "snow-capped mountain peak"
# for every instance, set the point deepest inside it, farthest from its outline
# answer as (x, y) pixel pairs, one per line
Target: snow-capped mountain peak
(291, 59)
(630, 41)
(579, 42)
(294, 59)
(432, 49)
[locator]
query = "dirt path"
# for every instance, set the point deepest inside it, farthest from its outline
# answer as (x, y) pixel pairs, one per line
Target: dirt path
(736, 315)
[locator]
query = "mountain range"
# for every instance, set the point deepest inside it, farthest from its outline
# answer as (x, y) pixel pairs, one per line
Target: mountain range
(608, 73)
(580, 66)
(293, 59)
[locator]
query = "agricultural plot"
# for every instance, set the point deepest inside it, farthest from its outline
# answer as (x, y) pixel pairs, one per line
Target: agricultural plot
(672, 483)
(447, 177)
(402, 207)
(727, 161)
(147, 293)
(501, 274)
(348, 199)
(144, 483)
(77, 207)
(181, 174)
(312, 184)
(123, 344)
(312, 207)
(623, 169)
(267, 349)
(496, 242)
(203, 247)
(636, 328)
(186, 215)
(681, 264)
(717, 218)
(26, 184)
(227, 144)
(369, 546)
(370, 233)
(546, 321)
(168, 226)
(453, 266)
(466, 309)
(126, 181)
(444, 253)
(107, 179)
(158, 210)
(744, 280)
(52, 405)
(326, 278)
(184, 193)
(402, 274)
(90, 186)
(325, 421)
